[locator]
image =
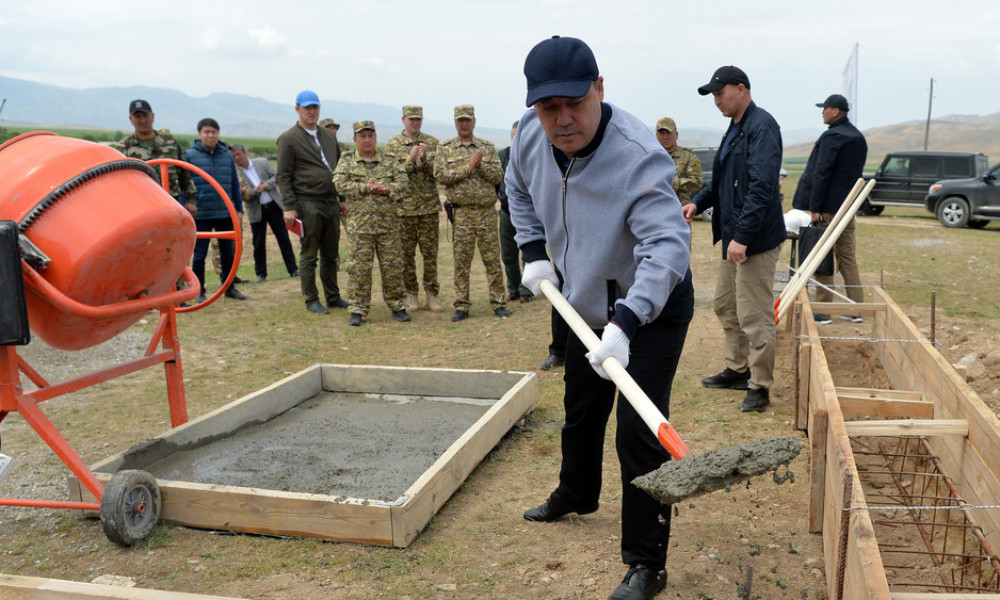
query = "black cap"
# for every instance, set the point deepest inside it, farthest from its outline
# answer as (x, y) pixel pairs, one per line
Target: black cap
(835, 101)
(139, 106)
(724, 76)
(562, 67)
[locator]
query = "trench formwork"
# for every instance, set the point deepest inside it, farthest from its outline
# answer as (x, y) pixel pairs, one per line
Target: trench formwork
(904, 483)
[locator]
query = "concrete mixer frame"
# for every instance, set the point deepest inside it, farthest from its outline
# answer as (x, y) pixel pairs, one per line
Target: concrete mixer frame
(134, 492)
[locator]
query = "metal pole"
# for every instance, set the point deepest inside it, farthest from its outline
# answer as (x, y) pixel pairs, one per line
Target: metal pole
(927, 128)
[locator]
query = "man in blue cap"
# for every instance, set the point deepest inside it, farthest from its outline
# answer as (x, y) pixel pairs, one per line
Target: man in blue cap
(307, 156)
(590, 181)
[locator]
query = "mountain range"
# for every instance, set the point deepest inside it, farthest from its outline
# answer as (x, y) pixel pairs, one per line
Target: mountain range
(42, 105)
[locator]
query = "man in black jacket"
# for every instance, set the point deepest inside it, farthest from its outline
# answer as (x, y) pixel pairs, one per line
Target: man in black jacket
(747, 218)
(835, 164)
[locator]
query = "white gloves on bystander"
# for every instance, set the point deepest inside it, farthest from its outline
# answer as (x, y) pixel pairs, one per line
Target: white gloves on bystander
(534, 272)
(614, 343)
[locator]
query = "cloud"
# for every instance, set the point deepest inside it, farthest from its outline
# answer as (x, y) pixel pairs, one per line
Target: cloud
(253, 42)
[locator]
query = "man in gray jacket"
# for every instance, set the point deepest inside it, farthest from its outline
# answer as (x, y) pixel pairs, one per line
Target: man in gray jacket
(264, 209)
(590, 180)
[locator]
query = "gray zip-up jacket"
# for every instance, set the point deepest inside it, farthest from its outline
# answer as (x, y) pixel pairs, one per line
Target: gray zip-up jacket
(613, 224)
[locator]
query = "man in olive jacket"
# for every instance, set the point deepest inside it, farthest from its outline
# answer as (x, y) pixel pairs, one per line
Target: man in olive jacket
(307, 156)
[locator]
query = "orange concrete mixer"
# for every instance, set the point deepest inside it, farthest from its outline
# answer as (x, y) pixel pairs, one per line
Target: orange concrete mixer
(104, 234)
(89, 244)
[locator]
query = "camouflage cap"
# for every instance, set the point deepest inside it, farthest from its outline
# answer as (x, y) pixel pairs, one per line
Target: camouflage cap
(465, 111)
(666, 123)
(327, 122)
(413, 112)
(361, 125)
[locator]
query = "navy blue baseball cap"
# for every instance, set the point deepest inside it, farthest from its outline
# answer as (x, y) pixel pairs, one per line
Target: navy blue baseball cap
(562, 67)
(307, 98)
(835, 101)
(139, 106)
(724, 76)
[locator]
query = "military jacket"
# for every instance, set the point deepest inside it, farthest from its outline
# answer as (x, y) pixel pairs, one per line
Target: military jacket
(687, 177)
(421, 196)
(162, 145)
(370, 213)
(475, 189)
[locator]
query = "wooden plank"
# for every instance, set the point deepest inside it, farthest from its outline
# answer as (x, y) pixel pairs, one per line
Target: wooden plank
(936, 596)
(897, 427)
(419, 381)
(16, 587)
(863, 309)
(884, 403)
(436, 485)
(804, 358)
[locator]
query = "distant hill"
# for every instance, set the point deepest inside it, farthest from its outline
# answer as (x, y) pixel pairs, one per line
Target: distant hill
(42, 105)
(960, 133)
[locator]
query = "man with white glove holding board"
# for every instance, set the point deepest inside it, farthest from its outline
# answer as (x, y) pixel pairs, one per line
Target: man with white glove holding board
(590, 181)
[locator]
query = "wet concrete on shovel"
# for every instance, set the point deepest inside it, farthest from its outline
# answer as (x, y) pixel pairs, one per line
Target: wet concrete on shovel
(718, 469)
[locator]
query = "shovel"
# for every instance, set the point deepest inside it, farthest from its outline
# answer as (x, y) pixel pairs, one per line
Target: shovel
(686, 475)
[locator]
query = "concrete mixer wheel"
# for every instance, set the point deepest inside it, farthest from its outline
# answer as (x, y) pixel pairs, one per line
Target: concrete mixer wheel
(130, 507)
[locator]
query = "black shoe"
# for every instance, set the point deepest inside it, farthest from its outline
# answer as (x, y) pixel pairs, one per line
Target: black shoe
(552, 361)
(294, 273)
(513, 297)
(401, 315)
(729, 379)
(527, 297)
(460, 315)
(355, 320)
(183, 305)
(239, 279)
(201, 298)
(316, 307)
(261, 278)
(640, 583)
(555, 508)
(501, 312)
(757, 400)
(339, 303)
(234, 293)
(822, 320)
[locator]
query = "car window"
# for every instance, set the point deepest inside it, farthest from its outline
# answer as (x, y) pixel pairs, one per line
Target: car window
(956, 167)
(925, 166)
(898, 166)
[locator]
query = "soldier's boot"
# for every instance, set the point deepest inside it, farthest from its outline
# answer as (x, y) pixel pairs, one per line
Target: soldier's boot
(432, 303)
(411, 302)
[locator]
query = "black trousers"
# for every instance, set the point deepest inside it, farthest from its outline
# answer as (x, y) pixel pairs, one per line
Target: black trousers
(654, 354)
(273, 217)
(227, 248)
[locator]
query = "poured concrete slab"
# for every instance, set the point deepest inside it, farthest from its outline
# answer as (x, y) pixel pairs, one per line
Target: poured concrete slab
(352, 453)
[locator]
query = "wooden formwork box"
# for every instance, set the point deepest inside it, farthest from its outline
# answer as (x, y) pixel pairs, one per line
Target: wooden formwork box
(254, 510)
(927, 398)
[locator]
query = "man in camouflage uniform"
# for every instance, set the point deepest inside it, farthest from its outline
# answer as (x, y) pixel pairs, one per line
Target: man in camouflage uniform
(687, 177)
(419, 219)
(372, 183)
(147, 143)
(469, 168)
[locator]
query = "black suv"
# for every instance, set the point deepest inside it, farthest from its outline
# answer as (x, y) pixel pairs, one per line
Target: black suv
(904, 177)
(959, 202)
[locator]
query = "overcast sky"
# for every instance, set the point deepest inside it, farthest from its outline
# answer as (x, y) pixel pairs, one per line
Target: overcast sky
(653, 53)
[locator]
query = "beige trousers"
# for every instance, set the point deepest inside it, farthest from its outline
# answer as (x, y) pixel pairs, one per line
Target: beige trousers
(744, 304)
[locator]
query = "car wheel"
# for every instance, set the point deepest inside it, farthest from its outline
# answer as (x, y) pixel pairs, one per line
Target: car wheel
(953, 212)
(978, 223)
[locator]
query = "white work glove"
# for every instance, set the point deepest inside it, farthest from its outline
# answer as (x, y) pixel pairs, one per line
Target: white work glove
(614, 343)
(534, 272)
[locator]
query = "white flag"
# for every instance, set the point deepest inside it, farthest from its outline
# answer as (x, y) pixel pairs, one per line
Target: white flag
(849, 85)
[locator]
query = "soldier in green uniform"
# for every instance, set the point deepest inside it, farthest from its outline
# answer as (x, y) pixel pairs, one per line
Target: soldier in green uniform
(147, 143)
(469, 168)
(372, 185)
(687, 177)
(419, 212)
